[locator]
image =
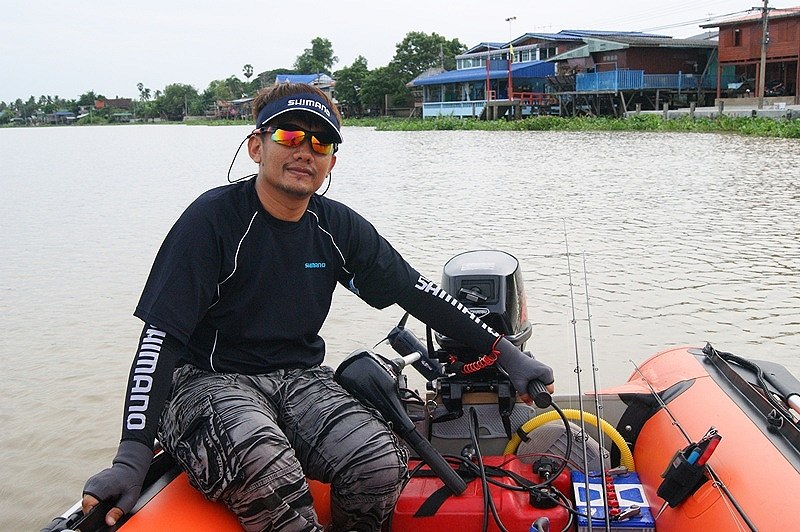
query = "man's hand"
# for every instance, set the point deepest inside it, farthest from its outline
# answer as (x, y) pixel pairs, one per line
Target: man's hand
(522, 368)
(121, 482)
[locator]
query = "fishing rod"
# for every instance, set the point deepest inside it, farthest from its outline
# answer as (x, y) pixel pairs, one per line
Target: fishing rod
(713, 474)
(580, 392)
(598, 408)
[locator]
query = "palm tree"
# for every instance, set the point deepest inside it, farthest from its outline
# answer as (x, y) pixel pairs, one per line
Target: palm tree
(248, 71)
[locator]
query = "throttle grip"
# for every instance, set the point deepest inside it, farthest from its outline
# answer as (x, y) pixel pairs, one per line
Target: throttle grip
(538, 392)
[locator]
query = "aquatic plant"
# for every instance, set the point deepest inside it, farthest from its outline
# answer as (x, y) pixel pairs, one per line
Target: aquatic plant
(753, 126)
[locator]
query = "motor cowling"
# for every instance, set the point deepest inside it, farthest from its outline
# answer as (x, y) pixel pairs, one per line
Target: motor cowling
(489, 283)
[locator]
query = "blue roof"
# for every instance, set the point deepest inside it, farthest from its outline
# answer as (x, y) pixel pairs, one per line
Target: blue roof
(526, 69)
(301, 78)
(607, 33)
(484, 46)
(580, 35)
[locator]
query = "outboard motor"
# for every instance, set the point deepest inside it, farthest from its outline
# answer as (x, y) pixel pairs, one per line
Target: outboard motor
(489, 283)
(372, 380)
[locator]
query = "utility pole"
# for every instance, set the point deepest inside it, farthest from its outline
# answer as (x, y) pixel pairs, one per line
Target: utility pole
(762, 71)
(510, 20)
(510, 59)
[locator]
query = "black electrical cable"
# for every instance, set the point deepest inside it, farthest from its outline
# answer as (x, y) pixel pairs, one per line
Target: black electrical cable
(488, 502)
(481, 471)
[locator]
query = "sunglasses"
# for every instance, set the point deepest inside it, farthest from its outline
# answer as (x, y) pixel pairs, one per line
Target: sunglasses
(320, 142)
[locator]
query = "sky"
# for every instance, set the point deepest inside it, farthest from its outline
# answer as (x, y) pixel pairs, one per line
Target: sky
(66, 48)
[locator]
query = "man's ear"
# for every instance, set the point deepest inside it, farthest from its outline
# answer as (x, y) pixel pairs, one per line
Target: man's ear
(254, 147)
(333, 163)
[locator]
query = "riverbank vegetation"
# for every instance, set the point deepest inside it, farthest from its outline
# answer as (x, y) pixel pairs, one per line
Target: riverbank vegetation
(757, 127)
(762, 127)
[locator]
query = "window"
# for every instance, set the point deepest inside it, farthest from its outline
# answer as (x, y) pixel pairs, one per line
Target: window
(737, 37)
(546, 53)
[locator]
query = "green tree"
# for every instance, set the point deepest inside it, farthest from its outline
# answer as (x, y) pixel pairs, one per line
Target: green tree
(317, 59)
(27, 109)
(380, 83)
(178, 100)
(88, 98)
(144, 92)
(248, 71)
(216, 90)
(349, 83)
(46, 104)
(419, 51)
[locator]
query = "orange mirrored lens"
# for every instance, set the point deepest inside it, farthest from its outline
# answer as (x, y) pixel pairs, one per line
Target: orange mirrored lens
(296, 138)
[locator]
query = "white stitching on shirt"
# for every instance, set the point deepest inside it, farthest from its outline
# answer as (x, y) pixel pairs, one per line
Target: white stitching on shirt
(213, 350)
(333, 241)
(235, 266)
(236, 257)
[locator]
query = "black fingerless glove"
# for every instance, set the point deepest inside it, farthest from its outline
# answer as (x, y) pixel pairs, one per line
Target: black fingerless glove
(522, 367)
(123, 480)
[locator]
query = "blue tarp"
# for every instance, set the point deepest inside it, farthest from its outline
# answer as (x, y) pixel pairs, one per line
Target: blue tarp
(498, 70)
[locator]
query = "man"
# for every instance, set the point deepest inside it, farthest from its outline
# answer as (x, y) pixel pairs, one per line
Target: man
(235, 300)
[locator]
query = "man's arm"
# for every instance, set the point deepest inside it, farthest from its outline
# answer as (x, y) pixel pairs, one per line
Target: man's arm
(148, 387)
(430, 304)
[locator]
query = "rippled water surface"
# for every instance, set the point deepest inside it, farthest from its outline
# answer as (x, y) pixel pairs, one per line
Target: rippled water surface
(686, 239)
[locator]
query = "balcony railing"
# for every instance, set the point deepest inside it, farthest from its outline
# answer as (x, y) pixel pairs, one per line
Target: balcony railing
(617, 80)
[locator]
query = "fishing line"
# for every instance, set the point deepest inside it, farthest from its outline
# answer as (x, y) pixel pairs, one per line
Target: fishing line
(661, 402)
(578, 375)
(597, 406)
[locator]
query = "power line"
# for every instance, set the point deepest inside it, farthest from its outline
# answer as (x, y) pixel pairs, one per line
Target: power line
(673, 11)
(696, 21)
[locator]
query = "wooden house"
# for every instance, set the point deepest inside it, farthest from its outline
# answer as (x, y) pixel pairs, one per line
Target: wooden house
(598, 72)
(740, 52)
(611, 72)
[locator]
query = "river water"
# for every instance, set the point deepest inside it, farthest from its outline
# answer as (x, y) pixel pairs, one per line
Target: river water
(686, 238)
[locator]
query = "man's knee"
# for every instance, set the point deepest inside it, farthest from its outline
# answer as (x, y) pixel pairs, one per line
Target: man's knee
(378, 476)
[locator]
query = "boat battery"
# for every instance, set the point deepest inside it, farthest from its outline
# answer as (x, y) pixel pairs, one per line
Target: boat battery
(628, 506)
(425, 506)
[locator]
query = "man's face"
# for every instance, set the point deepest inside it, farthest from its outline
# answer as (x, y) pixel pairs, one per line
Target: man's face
(296, 171)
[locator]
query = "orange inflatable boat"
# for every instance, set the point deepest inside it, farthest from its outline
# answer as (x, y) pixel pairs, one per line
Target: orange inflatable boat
(696, 439)
(669, 404)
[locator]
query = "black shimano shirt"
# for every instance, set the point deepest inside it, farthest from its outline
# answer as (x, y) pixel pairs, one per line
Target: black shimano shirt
(248, 293)
(236, 290)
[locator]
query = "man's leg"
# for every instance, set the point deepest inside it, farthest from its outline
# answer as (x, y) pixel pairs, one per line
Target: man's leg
(340, 441)
(224, 434)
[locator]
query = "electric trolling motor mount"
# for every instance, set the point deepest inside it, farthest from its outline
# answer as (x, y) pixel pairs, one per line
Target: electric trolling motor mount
(372, 380)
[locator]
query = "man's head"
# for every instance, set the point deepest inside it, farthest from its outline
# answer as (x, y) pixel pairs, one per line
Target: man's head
(277, 104)
(294, 144)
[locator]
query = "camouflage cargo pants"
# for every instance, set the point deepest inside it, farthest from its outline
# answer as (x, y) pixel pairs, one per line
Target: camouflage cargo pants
(251, 441)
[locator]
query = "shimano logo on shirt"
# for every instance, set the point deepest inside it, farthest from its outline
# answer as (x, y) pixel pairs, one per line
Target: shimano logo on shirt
(315, 265)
